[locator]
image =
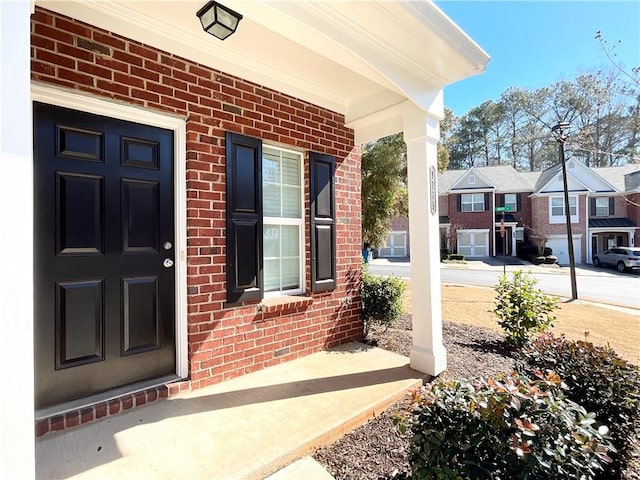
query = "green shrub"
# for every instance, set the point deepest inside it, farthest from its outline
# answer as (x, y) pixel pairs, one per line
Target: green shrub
(382, 300)
(522, 309)
(599, 380)
(456, 256)
(505, 428)
(537, 260)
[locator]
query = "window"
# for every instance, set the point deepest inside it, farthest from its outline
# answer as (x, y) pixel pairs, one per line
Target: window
(265, 220)
(511, 202)
(556, 209)
(472, 202)
(283, 236)
(519, 234)
(602, 206)
(471, 180)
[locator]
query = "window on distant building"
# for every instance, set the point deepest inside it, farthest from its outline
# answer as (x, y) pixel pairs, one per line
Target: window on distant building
(511, 202)
(602, 206)
(471, 180)
(556, 209)
(472, 202)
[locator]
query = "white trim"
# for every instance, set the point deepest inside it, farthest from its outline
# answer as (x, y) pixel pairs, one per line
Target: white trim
(298, 222)
(560, 219)
(96, 105)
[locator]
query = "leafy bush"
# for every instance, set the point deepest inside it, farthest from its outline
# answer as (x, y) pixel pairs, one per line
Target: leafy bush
(522, 309)
(382, 300)
(599, 380)
(505, 428)
(537, 259)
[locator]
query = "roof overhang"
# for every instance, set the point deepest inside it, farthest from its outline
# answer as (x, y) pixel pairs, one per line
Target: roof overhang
(366, 60)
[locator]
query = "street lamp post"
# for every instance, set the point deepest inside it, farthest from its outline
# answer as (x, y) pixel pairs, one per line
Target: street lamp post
(560, 133)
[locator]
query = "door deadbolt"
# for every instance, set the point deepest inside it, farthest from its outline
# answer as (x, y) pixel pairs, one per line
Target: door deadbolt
(167, 245)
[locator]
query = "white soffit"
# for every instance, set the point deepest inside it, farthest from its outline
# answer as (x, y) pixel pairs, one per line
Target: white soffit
(354, 57)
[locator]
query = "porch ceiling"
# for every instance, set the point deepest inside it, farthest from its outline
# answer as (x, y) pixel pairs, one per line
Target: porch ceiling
(361, 59)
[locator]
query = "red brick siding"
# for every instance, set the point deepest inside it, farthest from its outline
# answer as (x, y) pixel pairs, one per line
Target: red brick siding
(619, 208)
(473, 220)
(540, 221)
(223, 342)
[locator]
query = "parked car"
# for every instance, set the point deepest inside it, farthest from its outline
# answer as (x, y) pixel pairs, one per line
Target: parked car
(620, 257)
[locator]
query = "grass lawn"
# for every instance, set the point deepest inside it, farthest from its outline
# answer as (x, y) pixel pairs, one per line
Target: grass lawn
(472, 305)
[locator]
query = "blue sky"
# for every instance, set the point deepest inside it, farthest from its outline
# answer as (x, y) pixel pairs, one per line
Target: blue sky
(535, 44)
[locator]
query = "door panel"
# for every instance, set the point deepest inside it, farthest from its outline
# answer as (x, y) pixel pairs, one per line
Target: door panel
(104, 302)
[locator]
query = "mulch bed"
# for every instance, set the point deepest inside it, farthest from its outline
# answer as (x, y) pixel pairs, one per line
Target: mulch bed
(376, 450)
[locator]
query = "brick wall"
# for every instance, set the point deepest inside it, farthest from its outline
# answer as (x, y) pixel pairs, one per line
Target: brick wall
(473, 220)
(223, 342)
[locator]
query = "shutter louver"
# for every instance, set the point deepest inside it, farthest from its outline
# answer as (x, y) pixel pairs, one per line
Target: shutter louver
(244, 218)
(323, 224)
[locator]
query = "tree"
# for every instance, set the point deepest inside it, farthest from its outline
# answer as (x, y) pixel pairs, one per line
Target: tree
(384, 188)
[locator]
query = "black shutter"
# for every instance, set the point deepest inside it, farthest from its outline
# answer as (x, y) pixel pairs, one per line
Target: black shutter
(593, 207)
(244, 218)
(518, 202)
(612, 207)
(323, 222)
(486, 202)
(459, 200)
(500, 200)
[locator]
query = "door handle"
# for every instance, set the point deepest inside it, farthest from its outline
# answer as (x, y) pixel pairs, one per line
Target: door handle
(168, 263)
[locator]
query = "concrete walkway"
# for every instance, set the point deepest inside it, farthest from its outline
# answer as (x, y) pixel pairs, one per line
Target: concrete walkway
(248, 427)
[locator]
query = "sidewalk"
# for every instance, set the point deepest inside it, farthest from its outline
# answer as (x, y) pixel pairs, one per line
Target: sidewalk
(246, 428)
(496, 263)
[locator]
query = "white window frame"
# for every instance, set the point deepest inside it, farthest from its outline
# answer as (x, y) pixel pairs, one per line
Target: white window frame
(560, 217)
(472, 203)
(513, 203)
(606, 205)
(283, 221)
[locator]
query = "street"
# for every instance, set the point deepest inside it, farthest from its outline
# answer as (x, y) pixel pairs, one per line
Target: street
(597, 285)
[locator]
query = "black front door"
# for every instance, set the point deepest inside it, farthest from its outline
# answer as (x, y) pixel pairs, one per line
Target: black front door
(104, 234)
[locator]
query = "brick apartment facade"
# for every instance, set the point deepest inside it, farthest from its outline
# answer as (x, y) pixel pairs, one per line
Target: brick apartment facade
(224, 341)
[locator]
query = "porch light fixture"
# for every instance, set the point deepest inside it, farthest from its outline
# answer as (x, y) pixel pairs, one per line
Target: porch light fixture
(560, 133)
(218, 20)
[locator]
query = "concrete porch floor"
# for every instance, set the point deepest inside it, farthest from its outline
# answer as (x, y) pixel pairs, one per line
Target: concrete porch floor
(248, 427)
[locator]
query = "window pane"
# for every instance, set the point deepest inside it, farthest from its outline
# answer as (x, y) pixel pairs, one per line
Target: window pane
(281, 257)
(466, 207)
(602, 206)
(271, 200)
(271, 275)
(511, 201)
(290, 274)
(290, 241)
(271, 242)
(291, 202)
(290, 168)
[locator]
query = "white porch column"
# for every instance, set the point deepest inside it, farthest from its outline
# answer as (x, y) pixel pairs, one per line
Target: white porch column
(421, 134)
(17, 457)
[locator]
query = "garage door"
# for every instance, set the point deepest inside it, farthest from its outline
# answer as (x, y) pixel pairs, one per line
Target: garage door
(473, 244)
(560, 248)
(396, 245)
